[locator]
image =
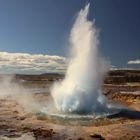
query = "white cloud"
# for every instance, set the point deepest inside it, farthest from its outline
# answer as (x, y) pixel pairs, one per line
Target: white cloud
(134, 61)
(31, 63)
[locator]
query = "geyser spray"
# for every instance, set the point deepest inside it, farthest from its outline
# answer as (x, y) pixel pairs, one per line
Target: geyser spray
(80, 91)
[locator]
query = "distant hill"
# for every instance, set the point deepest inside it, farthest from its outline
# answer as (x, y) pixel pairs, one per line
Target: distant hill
(114, 76)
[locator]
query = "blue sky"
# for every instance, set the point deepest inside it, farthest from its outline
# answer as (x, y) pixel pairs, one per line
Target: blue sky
(43, 26)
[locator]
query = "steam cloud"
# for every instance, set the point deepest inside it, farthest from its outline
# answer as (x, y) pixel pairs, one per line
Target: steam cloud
(80, 91)
(10, 89)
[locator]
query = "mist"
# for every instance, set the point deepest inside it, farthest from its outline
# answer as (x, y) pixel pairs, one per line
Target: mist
(12, 89)
(80, 91)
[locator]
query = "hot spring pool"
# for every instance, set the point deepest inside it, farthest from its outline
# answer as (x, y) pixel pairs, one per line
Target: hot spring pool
(73, 118)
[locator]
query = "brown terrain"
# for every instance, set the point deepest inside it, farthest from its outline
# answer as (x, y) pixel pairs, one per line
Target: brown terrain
(120, 87)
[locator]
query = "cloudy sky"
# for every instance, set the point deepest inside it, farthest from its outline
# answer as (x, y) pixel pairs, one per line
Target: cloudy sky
(31, 63)
(34, 33)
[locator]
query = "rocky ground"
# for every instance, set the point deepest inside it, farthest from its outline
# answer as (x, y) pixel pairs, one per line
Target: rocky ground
(17, 123)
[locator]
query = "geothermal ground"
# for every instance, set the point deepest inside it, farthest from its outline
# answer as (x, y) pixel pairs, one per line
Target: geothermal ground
(19, 123)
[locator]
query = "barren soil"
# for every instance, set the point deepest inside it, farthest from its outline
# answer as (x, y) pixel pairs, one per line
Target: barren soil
(16, 123)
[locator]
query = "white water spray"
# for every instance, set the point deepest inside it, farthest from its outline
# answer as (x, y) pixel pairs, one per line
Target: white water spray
(80, 91)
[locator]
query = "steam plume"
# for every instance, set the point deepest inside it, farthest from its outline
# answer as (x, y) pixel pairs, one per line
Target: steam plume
(10, 89)
(80, 91)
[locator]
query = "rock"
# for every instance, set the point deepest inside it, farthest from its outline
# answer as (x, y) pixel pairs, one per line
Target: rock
(22, 118)
(80, 139)
(42, 133)
(15, 112)
(97, 136)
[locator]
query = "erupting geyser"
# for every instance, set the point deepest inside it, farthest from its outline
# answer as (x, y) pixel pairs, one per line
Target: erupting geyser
(80, 91)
